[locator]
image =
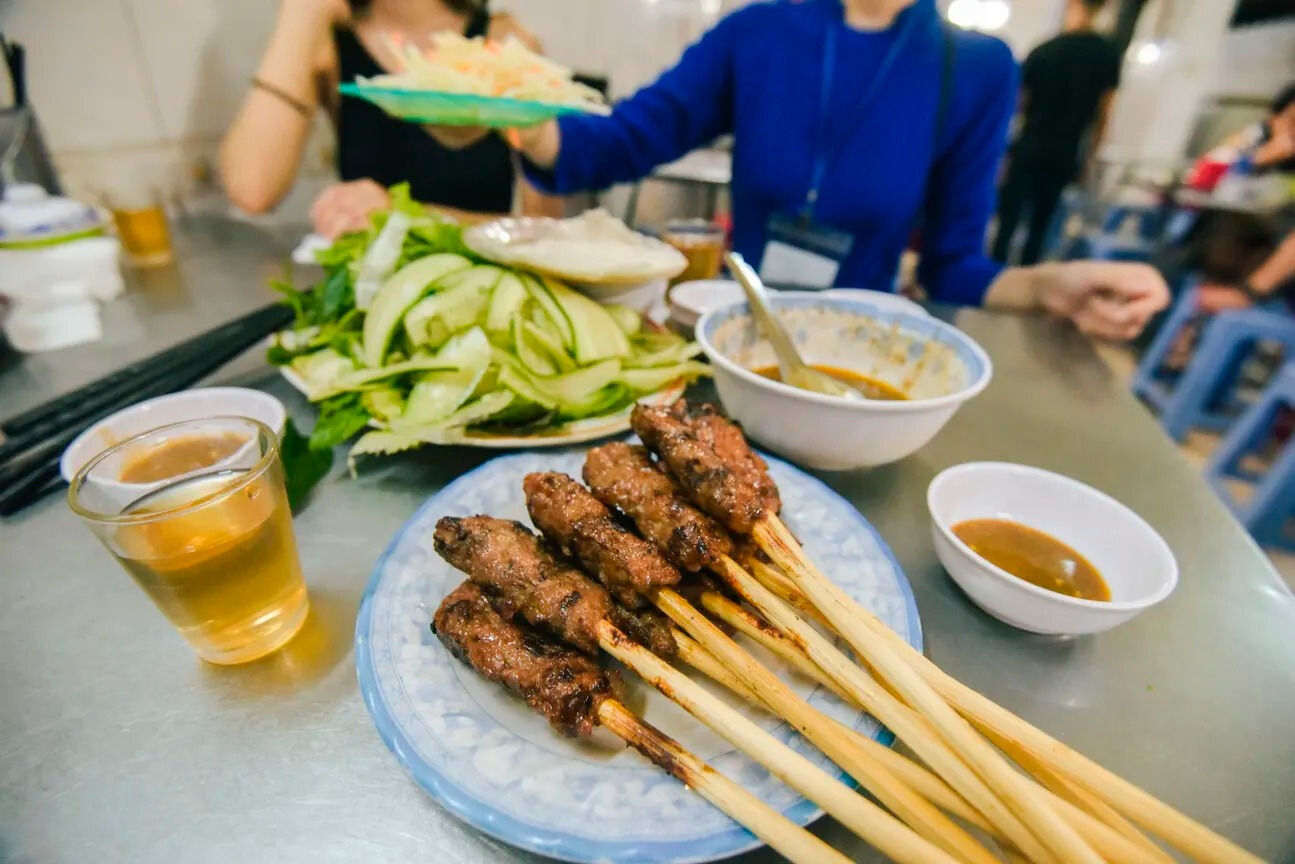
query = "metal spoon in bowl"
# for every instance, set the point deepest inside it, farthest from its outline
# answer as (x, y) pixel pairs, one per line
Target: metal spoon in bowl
(791, 367)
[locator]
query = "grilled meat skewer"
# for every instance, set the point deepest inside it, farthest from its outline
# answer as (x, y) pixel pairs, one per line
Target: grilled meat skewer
(559, 682)
(575, 695)
(527, 579)
(727, 481)
(551, 498)
(579, 525)
(625, 477)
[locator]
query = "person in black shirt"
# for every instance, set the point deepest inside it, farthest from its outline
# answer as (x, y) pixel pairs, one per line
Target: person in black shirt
(1067, 85)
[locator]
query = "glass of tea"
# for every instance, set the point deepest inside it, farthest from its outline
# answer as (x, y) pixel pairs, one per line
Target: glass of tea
(197, 514)
(701, 242)
(142, 229)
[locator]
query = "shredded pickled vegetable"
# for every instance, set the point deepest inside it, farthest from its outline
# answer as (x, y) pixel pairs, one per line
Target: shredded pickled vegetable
(507, 69)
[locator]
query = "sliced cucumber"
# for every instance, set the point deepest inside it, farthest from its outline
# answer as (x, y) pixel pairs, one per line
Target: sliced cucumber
(670, 355)
(551, 344)
(321, 368)
(439, 394)
(401, 291)
(384, 403)
(575, 388)
(626, 318)
(595, 335)
(642, 381)
(446, 430)
(363, 379)
(530, 352)
(542, 294)
(434, 319)
(518, 382)
(505, 303)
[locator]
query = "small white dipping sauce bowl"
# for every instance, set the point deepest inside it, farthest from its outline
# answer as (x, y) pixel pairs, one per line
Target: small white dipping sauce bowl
(179, 407)
(938, 366)
(1131, 557)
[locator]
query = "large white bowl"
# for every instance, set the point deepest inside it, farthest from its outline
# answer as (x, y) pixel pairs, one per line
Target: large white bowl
(179, 407)
(1133, 559)
(688, 301)
(937, 365)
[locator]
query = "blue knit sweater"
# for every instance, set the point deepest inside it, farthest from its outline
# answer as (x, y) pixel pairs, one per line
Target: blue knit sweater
(759, 75)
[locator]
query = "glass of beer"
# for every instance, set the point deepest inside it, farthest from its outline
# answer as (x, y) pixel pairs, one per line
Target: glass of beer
(701, 242)
(197, 514)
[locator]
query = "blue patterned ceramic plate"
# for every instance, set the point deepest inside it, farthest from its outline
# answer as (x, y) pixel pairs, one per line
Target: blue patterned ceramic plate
(459, 109)
(484, 756)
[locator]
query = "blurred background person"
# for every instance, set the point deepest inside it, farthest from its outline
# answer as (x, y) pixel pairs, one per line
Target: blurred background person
(317, 44)
(852, 121)
(1268, 145)
(1067, 86)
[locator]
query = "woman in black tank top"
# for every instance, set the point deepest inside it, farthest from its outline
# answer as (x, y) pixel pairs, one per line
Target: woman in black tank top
(372, 144)
(316, 45)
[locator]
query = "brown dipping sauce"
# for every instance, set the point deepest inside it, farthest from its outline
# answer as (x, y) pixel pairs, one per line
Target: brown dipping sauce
(1034, 557)
(181, 456)
(873, 388)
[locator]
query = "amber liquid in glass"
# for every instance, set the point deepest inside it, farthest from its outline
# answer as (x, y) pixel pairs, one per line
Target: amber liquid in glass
(226, 573)
(704, 252)
(144, 234)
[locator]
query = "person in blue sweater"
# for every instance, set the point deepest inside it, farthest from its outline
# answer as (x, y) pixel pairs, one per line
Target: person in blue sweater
(854, 122)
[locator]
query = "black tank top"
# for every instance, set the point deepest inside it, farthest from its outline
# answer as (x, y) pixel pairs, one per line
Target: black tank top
(372, 144)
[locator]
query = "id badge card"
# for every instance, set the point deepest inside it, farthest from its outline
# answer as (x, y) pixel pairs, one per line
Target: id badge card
(801, 252)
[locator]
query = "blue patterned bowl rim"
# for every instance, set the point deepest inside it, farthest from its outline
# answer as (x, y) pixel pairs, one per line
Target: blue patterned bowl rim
(557, 844)
(979, 367)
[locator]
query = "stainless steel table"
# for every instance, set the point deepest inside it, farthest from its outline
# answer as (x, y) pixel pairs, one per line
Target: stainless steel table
(116, 745)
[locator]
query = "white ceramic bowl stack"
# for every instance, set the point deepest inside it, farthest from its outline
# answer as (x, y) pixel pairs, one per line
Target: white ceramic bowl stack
(937, 365)
(1136, 563)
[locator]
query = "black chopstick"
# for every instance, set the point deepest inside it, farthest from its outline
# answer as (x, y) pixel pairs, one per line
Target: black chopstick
(30, 489)
(57, 409)
(20, 479)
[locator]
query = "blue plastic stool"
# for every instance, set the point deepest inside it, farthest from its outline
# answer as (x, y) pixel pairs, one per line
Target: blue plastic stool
(1203, 395)
(1151, 220)
(1151, 383)
(1272, 501)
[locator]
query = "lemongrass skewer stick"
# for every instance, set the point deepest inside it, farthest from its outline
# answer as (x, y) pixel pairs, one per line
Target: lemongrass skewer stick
(789, 840)
(901, 720)
(855, 812)
(1053, 831)
(773, 579)
(923, 782)
(998, 723)
(1106, 838)
(913, 809)
(1137, 804)
(1076, 795)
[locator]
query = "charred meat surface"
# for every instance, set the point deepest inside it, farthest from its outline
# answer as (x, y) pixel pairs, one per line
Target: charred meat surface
(526, 577)
(649, 628)
(723, 491)
(562, 684)
(578, 523)
(729, 442)
(625, 477)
